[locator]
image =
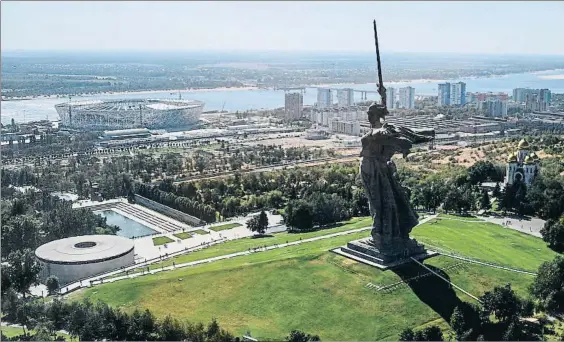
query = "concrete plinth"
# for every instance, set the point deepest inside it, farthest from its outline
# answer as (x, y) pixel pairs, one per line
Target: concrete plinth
(364, 251)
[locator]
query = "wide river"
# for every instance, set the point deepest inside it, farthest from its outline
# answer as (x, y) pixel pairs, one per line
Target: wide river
(43, 108)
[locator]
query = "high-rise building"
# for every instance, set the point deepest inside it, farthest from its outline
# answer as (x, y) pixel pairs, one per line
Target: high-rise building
(407, 97)
(494, 107)
(324, 98)
(444, 94)
(452, 93)
(458, 93)
(532, 102)
(520, 94)
(391, 98)
(544, 99)
(534, 99)
(345, 97)
(293, 105)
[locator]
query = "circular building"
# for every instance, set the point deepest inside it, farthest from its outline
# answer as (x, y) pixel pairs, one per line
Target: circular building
(129, 113)
(79, 257)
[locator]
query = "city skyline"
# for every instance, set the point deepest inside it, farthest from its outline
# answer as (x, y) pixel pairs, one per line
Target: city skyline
(421, 27)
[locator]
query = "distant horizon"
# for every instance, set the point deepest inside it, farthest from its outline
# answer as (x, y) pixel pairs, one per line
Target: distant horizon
(280, 52)
(444, 27)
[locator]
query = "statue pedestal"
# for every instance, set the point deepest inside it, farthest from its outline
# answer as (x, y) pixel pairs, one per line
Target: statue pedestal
(365, 251)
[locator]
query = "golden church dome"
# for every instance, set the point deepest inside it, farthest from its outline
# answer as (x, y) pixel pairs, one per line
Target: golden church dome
(523, 144)
(512, 158)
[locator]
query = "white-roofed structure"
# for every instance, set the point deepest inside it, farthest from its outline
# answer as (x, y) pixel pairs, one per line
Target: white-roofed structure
(130, 113)
(79, 257)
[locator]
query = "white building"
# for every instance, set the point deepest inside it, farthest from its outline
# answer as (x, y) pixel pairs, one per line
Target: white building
(345, 97)
(407, 97)
(522, 166)
(391, 98)
(324, 98)
(80, 257)
(345, 127)
(444, 94)
(458, 93)
(293, 105)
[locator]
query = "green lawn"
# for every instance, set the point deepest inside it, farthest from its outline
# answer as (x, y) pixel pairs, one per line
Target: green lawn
(183, 235)
(486, 241)
(308, 288)
(225, 226)
(457, 217)
(161, 240)
(200, 231)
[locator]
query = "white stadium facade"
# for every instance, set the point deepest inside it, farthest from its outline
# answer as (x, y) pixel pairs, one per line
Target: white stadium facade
(132, 113)
(80, 257)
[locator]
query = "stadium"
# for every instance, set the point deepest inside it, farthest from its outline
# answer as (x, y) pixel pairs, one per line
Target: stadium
(79, 257)
(124, 114)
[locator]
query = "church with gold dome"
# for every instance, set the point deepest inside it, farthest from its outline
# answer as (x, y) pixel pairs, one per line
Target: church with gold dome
(522, 166)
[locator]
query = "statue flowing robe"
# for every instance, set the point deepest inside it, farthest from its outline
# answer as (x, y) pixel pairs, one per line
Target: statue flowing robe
(393, 216)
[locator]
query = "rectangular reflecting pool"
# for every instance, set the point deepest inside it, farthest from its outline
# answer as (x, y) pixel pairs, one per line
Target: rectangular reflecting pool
(128, 227)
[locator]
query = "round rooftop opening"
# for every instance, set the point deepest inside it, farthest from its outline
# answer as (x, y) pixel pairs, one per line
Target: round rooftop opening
(85, 244)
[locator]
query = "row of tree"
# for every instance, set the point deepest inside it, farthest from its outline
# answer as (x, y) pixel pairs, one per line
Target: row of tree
(33, 218)
(184, 204)
(89, 322)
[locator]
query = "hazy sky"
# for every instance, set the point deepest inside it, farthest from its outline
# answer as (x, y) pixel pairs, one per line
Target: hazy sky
(464, 27)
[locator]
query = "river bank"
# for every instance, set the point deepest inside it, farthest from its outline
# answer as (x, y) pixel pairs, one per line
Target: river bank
(173, 91)
(252, 98)
(393, 82)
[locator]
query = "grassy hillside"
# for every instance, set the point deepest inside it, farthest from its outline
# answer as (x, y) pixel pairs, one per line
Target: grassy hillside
(308, 288)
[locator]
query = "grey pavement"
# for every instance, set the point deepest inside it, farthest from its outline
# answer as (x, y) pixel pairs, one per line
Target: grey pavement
(531, 226)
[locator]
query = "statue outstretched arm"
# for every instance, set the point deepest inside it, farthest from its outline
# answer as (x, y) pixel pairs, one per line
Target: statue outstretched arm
(400, 142)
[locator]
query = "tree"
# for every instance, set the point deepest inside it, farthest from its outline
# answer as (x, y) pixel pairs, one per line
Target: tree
(497, 191)
(300, 336)
(170, 330)
(258, 223)
(546, 196)
(505, 201)
(407, 334)
(553, 234)
(485, 201)
(482, 171)
(263, 221)
(520, 202)
(23, 269)
(433, 333)
(457, 323)
(52, 284)
(548, 286)
(298, 215)
(502, 302)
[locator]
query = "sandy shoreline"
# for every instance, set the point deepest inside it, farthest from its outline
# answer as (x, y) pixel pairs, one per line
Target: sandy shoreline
(552, 77)
(172, 91)
(247, 88)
